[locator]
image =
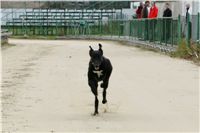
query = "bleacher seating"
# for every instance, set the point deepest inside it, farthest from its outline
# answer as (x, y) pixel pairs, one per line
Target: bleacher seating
(52, 17)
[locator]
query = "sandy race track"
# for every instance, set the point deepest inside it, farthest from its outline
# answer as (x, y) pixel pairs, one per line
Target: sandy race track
(44, 88)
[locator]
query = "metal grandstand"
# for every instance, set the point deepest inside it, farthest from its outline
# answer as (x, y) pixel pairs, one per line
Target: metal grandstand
(46, 17)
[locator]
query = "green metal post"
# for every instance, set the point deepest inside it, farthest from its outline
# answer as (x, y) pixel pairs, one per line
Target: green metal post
(47, 16)
(40, 29)
(179, 29)
(188, 31)
(171, 32)
(165, 31)
(119, 28)
(101, 21)
(25, 20)
(121, 13)
(64, 21)
(12, 23)
(160, 30)
(154, 27)
(198, 27)
(130, 28)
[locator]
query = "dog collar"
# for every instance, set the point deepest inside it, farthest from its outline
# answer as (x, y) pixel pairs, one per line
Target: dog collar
(99, 73)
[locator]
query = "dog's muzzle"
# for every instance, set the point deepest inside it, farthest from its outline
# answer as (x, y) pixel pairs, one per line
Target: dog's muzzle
(96, 67)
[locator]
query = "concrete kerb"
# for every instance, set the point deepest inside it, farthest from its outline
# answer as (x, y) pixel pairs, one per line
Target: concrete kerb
(128, 40)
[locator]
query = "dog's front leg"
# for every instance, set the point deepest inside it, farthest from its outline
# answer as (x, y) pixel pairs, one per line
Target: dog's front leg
(96, 105)
(93, 85)
(104, 96)
(104, 85)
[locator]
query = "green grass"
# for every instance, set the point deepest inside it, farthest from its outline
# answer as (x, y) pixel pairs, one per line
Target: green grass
(4, 43)
(191, 52)
(35, 37)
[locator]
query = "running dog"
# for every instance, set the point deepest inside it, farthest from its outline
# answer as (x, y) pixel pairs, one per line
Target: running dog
(100, 69)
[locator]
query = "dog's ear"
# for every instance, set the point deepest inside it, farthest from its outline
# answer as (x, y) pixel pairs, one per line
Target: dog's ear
(91, 51)
(100, 49)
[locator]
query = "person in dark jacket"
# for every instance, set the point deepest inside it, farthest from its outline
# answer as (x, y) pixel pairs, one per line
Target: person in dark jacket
(167, 14)
(145, 14)
(188, 23)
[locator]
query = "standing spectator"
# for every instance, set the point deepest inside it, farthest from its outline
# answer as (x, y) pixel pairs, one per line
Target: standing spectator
(152, 22)
(167, 23)
(153, 10)
(188, 24)
(167, 12)
(145, 14)
(187, 11)
(145, 11)
(139, 11)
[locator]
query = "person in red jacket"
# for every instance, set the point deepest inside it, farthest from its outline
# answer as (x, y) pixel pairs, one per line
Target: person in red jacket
(152, 22)
(153, 11)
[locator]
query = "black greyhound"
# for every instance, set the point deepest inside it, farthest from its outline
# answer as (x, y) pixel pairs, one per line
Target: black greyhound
(99, 69)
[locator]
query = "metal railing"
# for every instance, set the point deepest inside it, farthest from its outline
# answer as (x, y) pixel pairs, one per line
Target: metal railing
(162, 31)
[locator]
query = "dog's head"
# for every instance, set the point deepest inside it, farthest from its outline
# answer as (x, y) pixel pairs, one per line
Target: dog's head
(96, 56)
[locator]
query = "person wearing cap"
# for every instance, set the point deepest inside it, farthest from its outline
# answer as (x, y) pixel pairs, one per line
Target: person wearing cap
(166, 23)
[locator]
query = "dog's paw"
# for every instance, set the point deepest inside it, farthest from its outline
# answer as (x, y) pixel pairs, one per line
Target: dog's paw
(95, 113)
(104, 101)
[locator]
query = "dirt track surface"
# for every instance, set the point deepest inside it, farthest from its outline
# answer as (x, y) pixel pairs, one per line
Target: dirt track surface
(45, 89)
